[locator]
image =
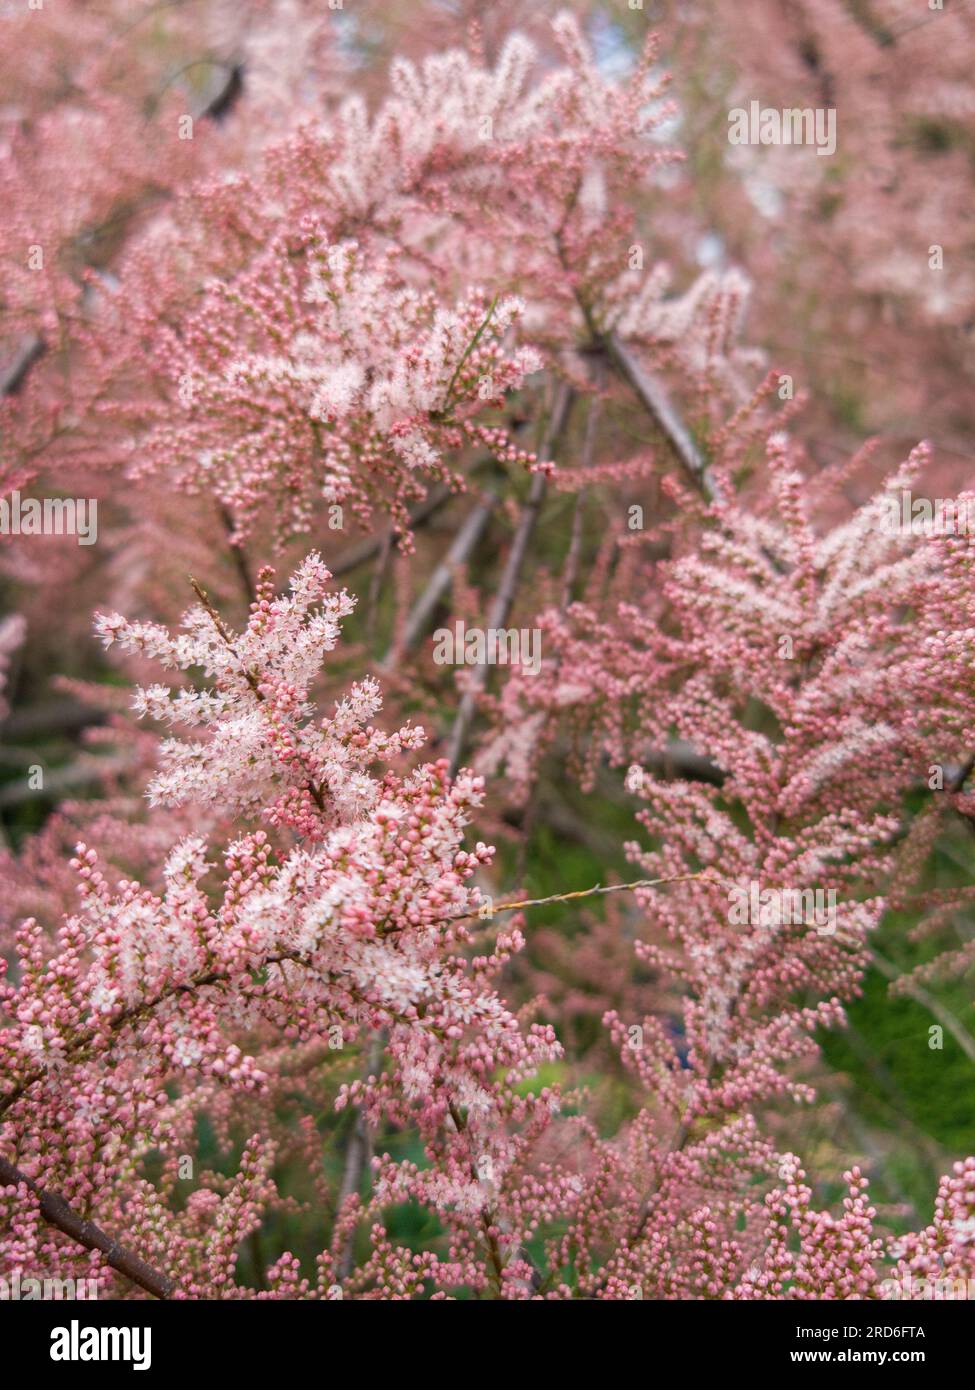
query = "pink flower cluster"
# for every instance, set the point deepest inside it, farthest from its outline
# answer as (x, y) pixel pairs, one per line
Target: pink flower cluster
(269, 989)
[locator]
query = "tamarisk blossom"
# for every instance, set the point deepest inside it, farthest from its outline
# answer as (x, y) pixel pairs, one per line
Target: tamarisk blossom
(812, 789)
(320, 374)
(276, 342)
(760, 607)
(456, 136)
(265, 752)
(359, 926)
(330, 322)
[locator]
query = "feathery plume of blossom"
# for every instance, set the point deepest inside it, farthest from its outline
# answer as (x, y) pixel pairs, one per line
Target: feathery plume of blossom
(360, 925)
(264, 751)
(320, 375)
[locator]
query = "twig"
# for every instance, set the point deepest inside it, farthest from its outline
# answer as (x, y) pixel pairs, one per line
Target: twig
(448, 398)
(376, 584)
(679, 758)
(239, 558)
(64, 779)
(570, 574)
(52, 717)
(958, 779)
(574, 554)
(14, 374)
(487, 1215)
(597, 891)
(357, 1152)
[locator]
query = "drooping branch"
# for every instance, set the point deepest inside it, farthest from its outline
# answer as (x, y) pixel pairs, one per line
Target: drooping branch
(58, 1212)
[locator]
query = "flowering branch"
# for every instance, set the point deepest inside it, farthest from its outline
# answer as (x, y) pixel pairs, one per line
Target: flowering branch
(59, 1213)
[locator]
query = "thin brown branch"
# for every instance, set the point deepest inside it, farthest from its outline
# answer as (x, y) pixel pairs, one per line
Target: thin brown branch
(239, 558)
(357, 1151)
(61, 1214)
(511, 575)
(63, 780)
(439, 582)
(14, 374)
(657, 404)
(517, 905)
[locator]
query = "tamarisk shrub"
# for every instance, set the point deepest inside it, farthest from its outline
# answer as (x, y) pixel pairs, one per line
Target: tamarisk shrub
(361, 923)
(767, 616)
(358, 925)
(280, 1025)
